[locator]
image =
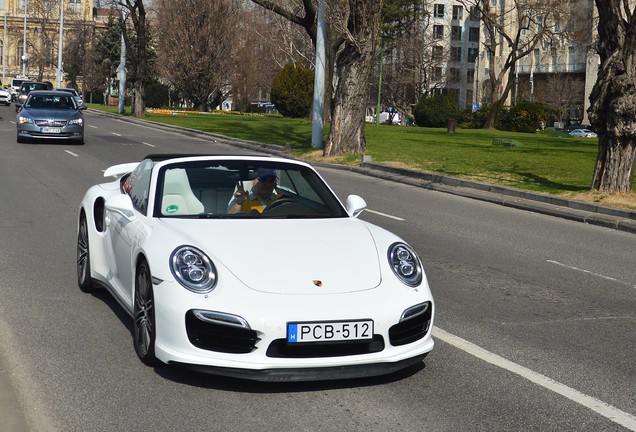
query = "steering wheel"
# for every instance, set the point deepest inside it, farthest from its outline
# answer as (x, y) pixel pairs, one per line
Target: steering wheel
(279, 202)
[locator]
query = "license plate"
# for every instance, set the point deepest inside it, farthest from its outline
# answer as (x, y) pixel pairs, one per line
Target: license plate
(50, 130)
(329, 331)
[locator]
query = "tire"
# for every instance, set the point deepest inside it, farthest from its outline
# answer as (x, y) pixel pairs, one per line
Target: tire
(20, 140)
(84, 280)
(144, 328)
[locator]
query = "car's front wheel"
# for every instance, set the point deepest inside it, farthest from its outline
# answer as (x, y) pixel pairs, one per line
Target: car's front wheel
(83, 258)
(144, 329)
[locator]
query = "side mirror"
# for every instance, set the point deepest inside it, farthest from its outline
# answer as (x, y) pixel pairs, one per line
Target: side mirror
(121, 204)
(83, 107)
(355, 205)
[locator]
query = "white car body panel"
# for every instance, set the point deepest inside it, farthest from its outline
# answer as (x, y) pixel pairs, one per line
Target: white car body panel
(269, 272)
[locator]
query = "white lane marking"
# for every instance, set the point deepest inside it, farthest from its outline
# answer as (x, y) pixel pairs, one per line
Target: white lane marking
(116, 134)
(384, 214)
(92, 126)
(591, 273)
(148, 144)
(606, 410)
(71, 153)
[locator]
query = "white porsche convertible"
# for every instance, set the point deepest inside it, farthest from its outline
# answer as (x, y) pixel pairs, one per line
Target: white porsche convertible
(295, 287)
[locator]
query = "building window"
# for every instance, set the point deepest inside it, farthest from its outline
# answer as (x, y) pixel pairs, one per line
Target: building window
(21, 5)
(470, 76)
(18, 54)
(457, 12)
(472, 54)
(437, 73)
(75, 6)
(456, 54)
(438, 11)
(438, 32)
(437, 52)
(456, 33)
(474, 13)
(2, 6)
(473, 34)
(453, 75)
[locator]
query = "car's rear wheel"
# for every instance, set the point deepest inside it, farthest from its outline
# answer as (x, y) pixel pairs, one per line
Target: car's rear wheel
(83, 258)
(144, 330)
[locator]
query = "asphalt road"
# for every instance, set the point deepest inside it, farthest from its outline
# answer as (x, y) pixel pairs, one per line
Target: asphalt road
(535, 324)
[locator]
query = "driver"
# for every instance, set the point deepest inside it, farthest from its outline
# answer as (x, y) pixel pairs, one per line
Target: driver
(261, 195)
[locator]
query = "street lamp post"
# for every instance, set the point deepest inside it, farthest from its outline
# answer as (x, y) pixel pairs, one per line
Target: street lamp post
(59, 46)
(24, 42)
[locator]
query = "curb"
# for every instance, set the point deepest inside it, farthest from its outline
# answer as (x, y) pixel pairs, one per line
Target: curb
(579, 211)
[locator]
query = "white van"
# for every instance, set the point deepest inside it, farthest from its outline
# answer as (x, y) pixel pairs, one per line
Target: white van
(14, 86)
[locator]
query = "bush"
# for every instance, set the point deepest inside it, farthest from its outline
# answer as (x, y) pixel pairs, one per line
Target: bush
(435, 111)
(157, 95)
(292, 90)
(525, 116)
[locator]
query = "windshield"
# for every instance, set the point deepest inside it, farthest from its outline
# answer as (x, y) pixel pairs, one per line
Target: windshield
(50, 102)
(243, 189)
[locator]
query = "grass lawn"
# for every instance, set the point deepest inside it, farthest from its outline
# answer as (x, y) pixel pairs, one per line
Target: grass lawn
(549, 162)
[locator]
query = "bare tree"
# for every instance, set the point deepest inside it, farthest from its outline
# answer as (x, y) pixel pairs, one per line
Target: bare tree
(44, 13)
(353, 28)
(563, 91)
(197, 47)
(415, 53)
(137, 41)
(512, 30)
(613, 99)
(77, 49)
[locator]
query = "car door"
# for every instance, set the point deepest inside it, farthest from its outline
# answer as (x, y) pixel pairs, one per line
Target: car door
(124, 228)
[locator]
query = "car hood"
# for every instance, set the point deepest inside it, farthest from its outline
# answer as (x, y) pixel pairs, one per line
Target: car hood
(57, 114)
(289, 256)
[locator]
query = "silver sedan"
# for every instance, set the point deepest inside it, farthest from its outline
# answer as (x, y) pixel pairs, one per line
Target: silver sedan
(50, 115)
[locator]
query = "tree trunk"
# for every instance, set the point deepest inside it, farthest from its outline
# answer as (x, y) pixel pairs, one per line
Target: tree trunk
(140, 99)
(613, 99)
(353, 72)
(614, 165)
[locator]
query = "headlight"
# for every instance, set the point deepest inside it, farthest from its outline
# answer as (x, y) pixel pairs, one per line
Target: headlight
(405, 264)
(23, 120)
(78, 121)
(193, 269)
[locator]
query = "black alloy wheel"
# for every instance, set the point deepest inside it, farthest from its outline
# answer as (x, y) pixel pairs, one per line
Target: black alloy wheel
(83, 258)
(144, 316)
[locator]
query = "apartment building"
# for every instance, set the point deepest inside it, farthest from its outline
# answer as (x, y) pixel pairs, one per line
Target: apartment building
(455, 33)
(37, 22)
(562, 67)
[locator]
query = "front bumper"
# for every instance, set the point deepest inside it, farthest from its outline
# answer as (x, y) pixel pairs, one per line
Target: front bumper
(67, 133)
(310, 374)
(263, 353)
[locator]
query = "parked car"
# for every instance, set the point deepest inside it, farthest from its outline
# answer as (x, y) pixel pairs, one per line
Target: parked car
(14, 86)
(584, 133)
(299, 290)
(27, 87)
(50, 115)
(575, 126)
(5, 96)
(74, 92)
